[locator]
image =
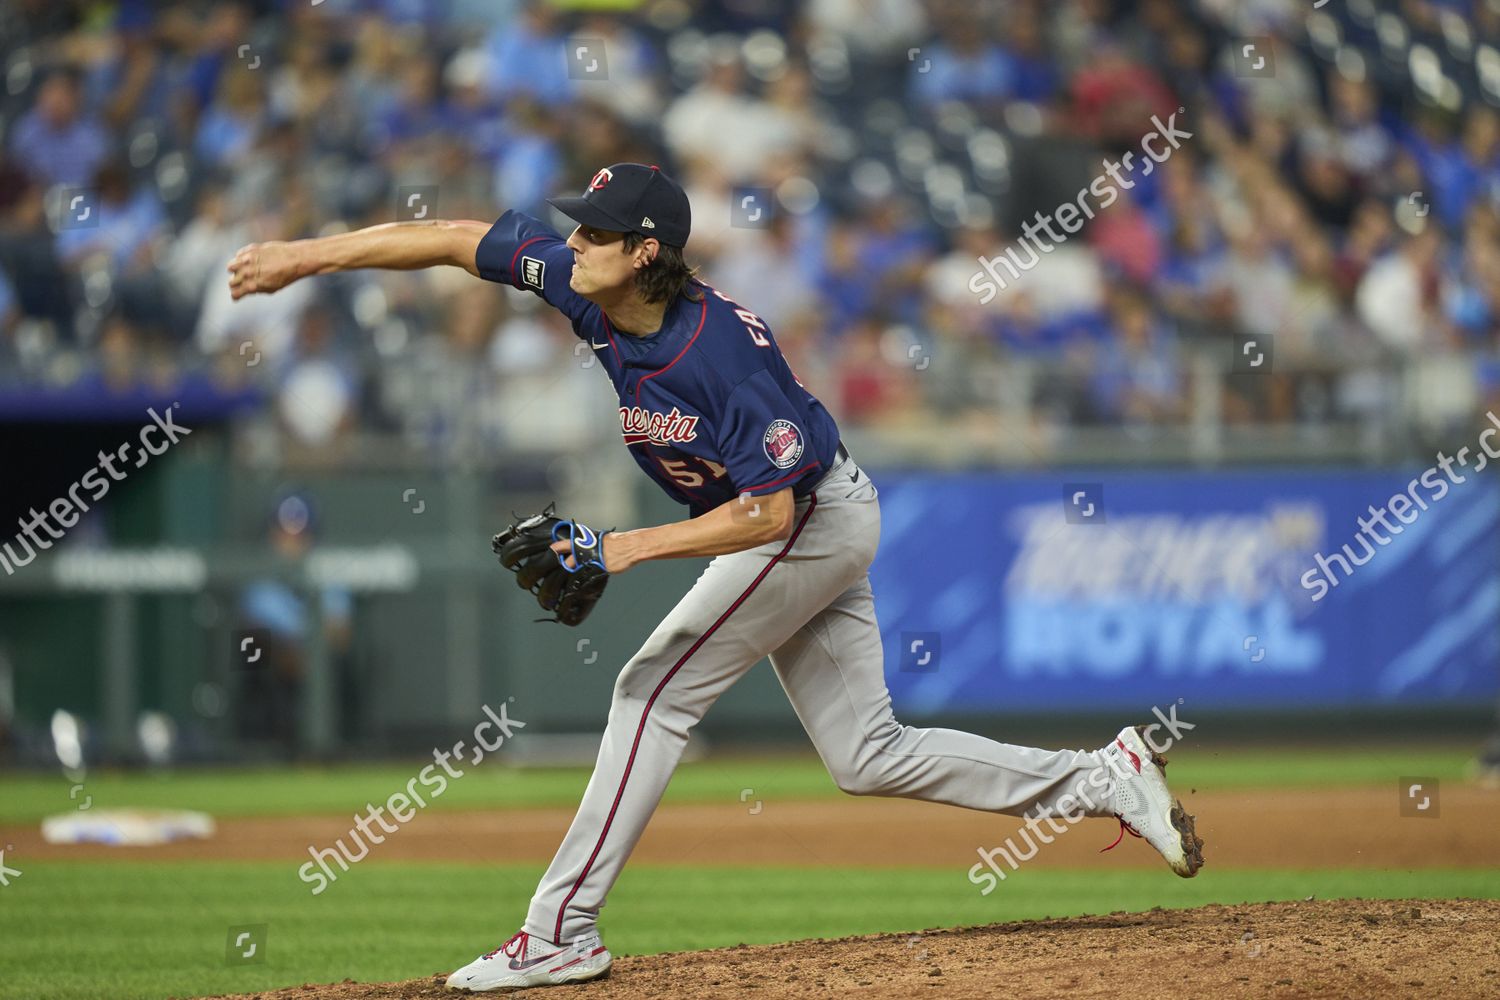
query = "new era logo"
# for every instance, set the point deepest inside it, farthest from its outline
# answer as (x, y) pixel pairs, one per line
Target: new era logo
(646, 223)
(532, 271)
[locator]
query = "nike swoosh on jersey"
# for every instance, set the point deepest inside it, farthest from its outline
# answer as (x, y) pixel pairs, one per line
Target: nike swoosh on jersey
(598, 347)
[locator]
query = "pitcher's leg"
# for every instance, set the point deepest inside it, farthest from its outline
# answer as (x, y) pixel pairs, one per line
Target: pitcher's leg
(742, 607)
(642, 744)
(833, 672)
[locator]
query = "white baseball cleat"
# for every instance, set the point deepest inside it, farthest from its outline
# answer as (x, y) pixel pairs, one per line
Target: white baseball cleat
(528, 961)
(1144, 805)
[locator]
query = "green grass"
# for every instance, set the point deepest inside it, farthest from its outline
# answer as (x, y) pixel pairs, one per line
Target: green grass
(132, 929)
(291, 791)
(136, 930)
(305, 790)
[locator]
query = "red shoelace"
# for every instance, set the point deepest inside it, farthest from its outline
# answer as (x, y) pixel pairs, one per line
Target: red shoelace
(1124, 829)
(522, 936)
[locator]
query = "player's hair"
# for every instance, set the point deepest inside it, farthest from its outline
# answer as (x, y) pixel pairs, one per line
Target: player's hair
(666, 277)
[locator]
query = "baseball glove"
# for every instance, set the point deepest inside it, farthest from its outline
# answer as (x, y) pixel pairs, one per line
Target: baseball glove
(570, 593)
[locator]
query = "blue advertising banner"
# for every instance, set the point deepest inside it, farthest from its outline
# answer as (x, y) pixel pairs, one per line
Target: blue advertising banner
(1101, 590)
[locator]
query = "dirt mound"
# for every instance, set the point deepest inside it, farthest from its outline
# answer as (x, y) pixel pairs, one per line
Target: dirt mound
(1337, 948)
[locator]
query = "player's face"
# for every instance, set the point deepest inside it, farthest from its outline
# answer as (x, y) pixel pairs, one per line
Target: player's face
(599, 261)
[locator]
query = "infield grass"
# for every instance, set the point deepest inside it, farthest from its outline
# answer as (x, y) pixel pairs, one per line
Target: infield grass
(127, 930)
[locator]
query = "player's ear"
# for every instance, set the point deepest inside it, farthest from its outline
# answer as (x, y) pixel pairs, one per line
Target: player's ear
(646, 253)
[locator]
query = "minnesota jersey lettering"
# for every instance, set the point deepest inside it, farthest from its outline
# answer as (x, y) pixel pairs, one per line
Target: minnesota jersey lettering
(642, 426)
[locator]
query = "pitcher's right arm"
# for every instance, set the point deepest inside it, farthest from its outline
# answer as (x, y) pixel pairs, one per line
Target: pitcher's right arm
(263, 268)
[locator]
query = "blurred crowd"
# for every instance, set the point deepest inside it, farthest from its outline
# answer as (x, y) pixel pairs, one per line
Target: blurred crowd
(849, 163)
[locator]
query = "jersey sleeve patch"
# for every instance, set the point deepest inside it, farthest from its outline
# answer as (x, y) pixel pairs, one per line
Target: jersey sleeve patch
(783, 444)
(516, 251)
(763, 440)
(534, 271)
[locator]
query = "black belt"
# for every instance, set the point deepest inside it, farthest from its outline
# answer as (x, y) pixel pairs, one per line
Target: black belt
(840, 455)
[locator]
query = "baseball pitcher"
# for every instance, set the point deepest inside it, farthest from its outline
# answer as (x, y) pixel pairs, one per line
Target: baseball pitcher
(713, 414)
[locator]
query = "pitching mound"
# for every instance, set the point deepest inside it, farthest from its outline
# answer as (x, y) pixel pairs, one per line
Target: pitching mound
(1338, 948)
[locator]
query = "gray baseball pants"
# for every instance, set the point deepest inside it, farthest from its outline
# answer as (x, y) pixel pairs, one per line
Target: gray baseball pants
(805, 602)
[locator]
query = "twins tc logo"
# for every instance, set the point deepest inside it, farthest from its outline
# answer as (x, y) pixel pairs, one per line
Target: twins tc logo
(783, 443)
(602, 178)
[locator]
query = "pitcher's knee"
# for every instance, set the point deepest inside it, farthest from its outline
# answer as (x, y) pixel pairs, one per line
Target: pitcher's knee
(629, 690)
(643, 672)
(860, 779)
(640, 700)
(874, 767)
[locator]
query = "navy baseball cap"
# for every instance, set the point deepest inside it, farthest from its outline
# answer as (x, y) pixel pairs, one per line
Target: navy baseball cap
(632, 198)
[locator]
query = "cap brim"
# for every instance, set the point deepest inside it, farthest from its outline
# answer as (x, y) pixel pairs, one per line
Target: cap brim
(588, 214)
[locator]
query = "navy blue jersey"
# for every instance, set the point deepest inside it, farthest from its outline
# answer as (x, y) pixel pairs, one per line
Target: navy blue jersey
(708, 405)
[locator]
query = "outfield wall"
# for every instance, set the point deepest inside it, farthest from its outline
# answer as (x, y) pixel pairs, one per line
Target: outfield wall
(1098, 590)
(998, 596)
